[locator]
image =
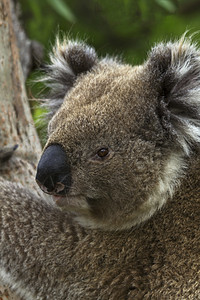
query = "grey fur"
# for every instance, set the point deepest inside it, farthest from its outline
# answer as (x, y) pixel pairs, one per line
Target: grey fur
(67, 61)
(128, 226)
(178, 65)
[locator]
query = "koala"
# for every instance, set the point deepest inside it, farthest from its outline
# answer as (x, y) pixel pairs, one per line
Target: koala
(122, 165)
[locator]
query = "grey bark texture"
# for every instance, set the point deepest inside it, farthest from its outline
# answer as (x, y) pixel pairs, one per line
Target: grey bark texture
(30, 51)
(18, 137)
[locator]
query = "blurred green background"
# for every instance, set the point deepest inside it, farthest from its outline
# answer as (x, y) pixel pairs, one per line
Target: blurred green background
(111, 26)
(127, 28)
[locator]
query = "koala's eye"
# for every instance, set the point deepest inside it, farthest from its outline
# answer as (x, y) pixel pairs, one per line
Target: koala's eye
(103, 152)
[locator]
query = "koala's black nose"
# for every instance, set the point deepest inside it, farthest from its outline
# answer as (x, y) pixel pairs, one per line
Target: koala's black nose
(53, 171)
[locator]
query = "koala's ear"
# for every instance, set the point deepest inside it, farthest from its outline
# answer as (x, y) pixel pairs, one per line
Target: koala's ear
(175, 69)
(68, 60)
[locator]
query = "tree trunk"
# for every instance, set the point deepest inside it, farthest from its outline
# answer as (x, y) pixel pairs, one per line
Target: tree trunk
(16, 124)
(18, 137)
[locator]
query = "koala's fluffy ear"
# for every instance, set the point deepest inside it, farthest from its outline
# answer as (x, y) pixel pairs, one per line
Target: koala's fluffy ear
(175, 69)
(68, 60)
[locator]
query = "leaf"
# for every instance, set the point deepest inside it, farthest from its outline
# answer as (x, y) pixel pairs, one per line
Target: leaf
(167, 4)
(62, 8)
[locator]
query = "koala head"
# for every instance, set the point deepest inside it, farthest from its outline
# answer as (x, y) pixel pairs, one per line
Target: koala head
(119, 135)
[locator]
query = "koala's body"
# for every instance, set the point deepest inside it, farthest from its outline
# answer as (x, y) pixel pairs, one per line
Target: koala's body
(122, 160)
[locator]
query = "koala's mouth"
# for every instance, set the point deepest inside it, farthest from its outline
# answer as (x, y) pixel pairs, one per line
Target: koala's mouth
(62, 198)
(71, 203)
(59, 187)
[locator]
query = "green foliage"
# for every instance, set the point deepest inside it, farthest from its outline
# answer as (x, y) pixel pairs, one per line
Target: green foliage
(168, 5)
(115, 27)
(61, 8)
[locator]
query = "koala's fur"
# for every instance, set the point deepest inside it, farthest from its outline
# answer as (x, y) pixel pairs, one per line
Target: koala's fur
(111, 240)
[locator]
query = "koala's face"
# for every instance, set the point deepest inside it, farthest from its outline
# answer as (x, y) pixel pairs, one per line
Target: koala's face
(112, 157)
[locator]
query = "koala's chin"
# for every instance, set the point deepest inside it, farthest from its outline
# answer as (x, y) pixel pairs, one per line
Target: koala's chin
(120, 137)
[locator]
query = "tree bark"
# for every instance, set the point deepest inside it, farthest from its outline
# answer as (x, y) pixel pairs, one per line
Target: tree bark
(16, 124)
(19, 144)
(30, 52)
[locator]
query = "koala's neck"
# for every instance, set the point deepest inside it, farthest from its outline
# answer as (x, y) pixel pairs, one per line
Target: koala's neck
(169, 184)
